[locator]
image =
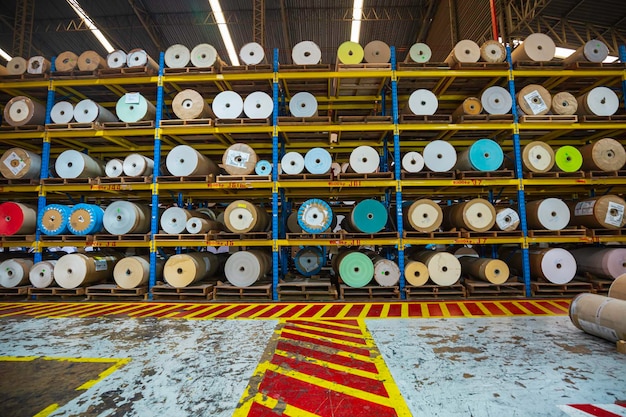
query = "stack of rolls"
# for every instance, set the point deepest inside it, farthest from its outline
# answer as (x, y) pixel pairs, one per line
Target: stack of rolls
(477, 215)
(244, 268)
(18, 163)
(554, 265)
(185, 269)
(354, 268)
(184, 161)
(243, 217)
(81, 269)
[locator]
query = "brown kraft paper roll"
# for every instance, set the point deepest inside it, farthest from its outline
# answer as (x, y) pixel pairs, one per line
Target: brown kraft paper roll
(91, 61)
(605, 212)
(534, 100)
(423, 215)
(134, 271)
(564, 103)
(242, 217)
(22, 110)
(606, 154)
(189, 104)
(187, 268)
(494, 271)
(66, 61)
(618, 288)
(600, 316)
(415, 273)
(470, 106)
(239, 159)
(478, 215)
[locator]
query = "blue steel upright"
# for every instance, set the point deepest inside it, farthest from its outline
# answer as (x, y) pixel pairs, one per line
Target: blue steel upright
(275, 179)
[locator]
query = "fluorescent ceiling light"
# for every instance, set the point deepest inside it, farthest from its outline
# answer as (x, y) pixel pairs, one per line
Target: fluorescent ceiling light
(357, 12)
(4, 55)
(221, 24)
(92, 27)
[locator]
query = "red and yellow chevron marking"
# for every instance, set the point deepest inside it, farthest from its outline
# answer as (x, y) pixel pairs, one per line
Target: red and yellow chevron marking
(322, 368)
(272, 311)
(597, 410)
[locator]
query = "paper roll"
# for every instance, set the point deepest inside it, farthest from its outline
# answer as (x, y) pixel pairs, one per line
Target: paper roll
(309, 261)
(377, 52)
(600, 101)
(133, 107)
(91, 61)
(534, 99)
(350, 53)
(239, 159)
(618, 288)
(204, 55)
(66, 61)
(318, 161)
(420, 53)
(367, 216)
(117, 59)
(263, 167)
(466, 51)
(17, 65)
(564, 103)
(303, 104)
(189, 104)
(252, 53)
(134, 271)
(415, 273)
(82, 269)
(55, 220)
(315, 216)
(200, 225)
(258, 105)
(125, 217)
(174, 220)
(494, 271)
(364, 160)
(184, 161)
(606, 154)
(507, 219)
(549, 214)
(86, 219)
(555, 265)
(592, 51)
(18, 163)
(114, 168)
(483, 155)
(423, 216)
(17, 219)
(412, 162)
(536, 47)
(439, 156)
(292, 223)
(244, 268)
(492, 51)
(386, 271)
(227, 105)
(355, 269)
(423, 102)
(38, 65)
(41, 275)
(140, 58)
(185, 269)
(568, 159)
(177, 56)
(136, 165)
(306, 53)
(537, 157)
(292, 163)
(496, 100)
(21, 110)
(74, 164)
(444, 268)
(470, 106)
(15, 272)
(604, 263)
(87, 111)
(461, 251)
(477, 215)
(604, 212)
(600, 316)
(242, 217)
(62, 112)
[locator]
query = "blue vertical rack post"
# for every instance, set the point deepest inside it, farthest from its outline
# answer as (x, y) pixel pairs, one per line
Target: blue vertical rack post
(275, 247)
(154, 220)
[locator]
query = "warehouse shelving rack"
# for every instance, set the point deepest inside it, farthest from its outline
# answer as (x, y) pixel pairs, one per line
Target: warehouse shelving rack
(393, 136)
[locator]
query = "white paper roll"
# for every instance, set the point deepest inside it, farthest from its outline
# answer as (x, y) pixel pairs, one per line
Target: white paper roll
(17, 65)
(318, 161)
(133, 107)
(536, 47)
(601, 101)
(364, 160)
(412, 162)
(465, 50)
(114, 168)
(136, 165)
(174, 220)
(22, 110)
(292, 163)
(41, 275)
(306, 53)
(443, 268)
(507, 219)
(492, 51)
(386, 272)
(552, 214)
(38, 65)
(177, 56)
(420, 52)
(200, 225)
(62, 112)
(140, 58)
(227, 105)
(87, 111)
(15, 272)
(303, 104)
(117, 59)
(183, 161)
(258, 105)
(252, 53)
(595, 50)
(496, 100)
(203, 55)
(244, 268)
(423, 102)
(124, 217)
(439, 156)
(74, 164)
(558, 265)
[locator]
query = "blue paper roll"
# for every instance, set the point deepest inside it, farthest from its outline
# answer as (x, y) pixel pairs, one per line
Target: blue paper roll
(482, 155)
(309, 260)
(318, 161)
(55, 219)
(315, 216)
(369, 216)
(263, 167)
(85, 219)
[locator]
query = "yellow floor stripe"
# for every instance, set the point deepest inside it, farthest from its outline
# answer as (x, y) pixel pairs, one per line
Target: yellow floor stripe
(365, 311)
(242, 311)
(425, 310)
(503, 308)
(53, 311)
(104, 374)
(287, 409)
(330, 365)
(262, 311)
(404, 310)
(305, 326)
(560, 307)
(303, 332)
(465, 311)
(154, 309)
(301, 312)
(484, 309)
(539, 306)
(120, 311)
(47, 411)
(31, 309)
(521, 307)
(323, 311)
(445, 311)
(83, 308)
(335, 341)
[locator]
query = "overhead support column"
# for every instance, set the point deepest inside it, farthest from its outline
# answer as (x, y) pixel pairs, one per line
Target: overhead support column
(23, 27)
(259, 22)
(148, 24)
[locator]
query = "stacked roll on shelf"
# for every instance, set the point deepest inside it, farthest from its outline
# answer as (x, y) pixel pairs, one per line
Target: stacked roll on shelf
(38, 65)
(86, 219)
(15, 272)
(81, 269)
(554, 265)
(252, 53)
(18, 163)
(185, 269)
(244, 268)
(444, 269)
(134, 271)
(133, 107)
(62, 112)
(309, 260)
(66, 61)
(17, 218)
(22, 110)
(41, 275)
(91, 61)
(117, 59)
(604, 263)
(536, 47)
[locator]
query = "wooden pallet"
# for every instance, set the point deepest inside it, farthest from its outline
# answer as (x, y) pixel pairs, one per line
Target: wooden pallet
(493, 234)
(605, 174)
(504, 174)
(143, 124)
(113, 291)
(305, 177)
(435, 118)
(126, 71)
(363, 236)
(56, 292)
(493, 66)
(413, 66)
(73, 74)
(121, 238)
(18, 181)
(169, 237)
(430, 291)
(163, 291)
(122, 180)
(25, 77)
(554, 174)
(549, 118)
(547, 289)
(596, 65)
(14, 292)
(226, 291)
(485, 118)
(242, 121)
(239, 69)
(364, 66)
(304, 68)
(24, 128)
(600, 285)
(598, 233)
(182, 180)
(68, 181)
(567, 232)
(368, 292)
(482, 289)
(353, 176)
(188, 122)
(448, 175)
(239, 236)
(17, 238)
(244, 178)
(535, 65)
(324, 236)
(296, 121)
(67, 238)
(620, 118)
(74, 126)
(363, 120)
(450, 234)
(307, 289)
(189, 70)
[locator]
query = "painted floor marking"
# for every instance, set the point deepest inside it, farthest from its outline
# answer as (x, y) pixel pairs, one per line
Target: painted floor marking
(597, 410)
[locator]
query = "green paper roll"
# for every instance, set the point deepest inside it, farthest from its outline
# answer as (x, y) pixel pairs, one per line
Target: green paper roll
(356, 269)
(568, 159)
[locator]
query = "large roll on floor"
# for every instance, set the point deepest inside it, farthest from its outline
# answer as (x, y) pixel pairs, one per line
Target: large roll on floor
(18, 163)
(443, 268)
(471, 106)
(82, 269)
(174, 220)
(536, 47)
(564, 103)
(618, 288)
(605, 154)
(87, 111)
(600, 316)
(534, 99)
(239, 159)
(134, 271)
(140, 58)
(386, 271)
(125, 217)
(258, 105)
(600, 101)
(177, 56)
(507, 219)
(364, 159)
(355, 269)
(306, 53)
(303, 104)
(315, 216)
(17, 219)
(244, 268)
(227, 105)
(17, 65)
(137, 165)
(203, 55)
(568, 159)
(242, 217)
(15, 272)
(86, 219)
(439, 156)
(66, 61)
(91, 61)
(309, 261)
(537, 157)
(465, 50)
(555, 265)
(117, 59)
(415, 273)
(420, 53)
(423, 102)
(496, 100)
(184, 161)
(606, 263)
(604, 212)
(133, 107)
(252, 53)
(114, 168)
(187, 268)
(41, 275)
(38, 65)
(189, 104)
(492, 51)
(377, 52)
(62, 112)
(74, 164)
(21, 110)
(549, 214)
(318, 161)
(423, 216)
(482, 155)
(592, 51)
(292, 163)
(477, 214)
(494, 271)
(412, 162)
(350, 53)
(55, 219)
(367, 216)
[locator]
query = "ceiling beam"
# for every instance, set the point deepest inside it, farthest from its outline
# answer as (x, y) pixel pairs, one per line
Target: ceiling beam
(259, 22)
(427, 20)
(148, 24)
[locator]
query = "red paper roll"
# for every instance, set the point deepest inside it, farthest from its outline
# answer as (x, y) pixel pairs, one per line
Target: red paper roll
(16, 218)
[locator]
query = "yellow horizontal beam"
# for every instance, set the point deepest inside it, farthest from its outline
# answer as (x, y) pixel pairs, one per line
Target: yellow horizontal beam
(94, 133)
(446, 73)
(568, 73)
(336, 183)
(572, 126)
(456, 126)
(90, 82)
(215, 243)
(25, 84)
(337, 242)
(464, 241)
(478, 182)
(97, 244)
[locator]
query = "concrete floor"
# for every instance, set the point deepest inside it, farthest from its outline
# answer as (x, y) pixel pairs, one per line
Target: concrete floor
(513, 366)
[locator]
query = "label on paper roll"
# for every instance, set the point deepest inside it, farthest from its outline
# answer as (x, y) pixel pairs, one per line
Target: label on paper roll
(596, 329)
(501, 217)
(242, 205)
(308, 266)
(101, 264)
(132, 98)
(237, 159)
(14, 168)
(535, 102)
(614, 214)
(585, 208)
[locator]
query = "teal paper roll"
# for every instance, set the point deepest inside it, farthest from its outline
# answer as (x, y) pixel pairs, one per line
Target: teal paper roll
(482, 155)
(263, 167)
(356, 269)
(369, 216)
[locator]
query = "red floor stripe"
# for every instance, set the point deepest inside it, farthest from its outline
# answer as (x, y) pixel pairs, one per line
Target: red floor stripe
(564, 304)
(325, 334)
(159, 312)
(269, 313)
(113, 311)
(252, 311)
(551, 307)
(296, 337)
(184, 312)
(434, 310)
(325, 325)
(345, 322)
(333, 311)
(474, 309)
(493, 309)
(593, 410)
(258, 410)
(532, 307)
(293, 310)
(209, 311)
(415, 310)
(395, 310)
(355, 310)
(513, 308)
(455, 310)
(230, 311)
(320, 400)
(343, 378)
(328, 357)
(312, 311)
(375, 310)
